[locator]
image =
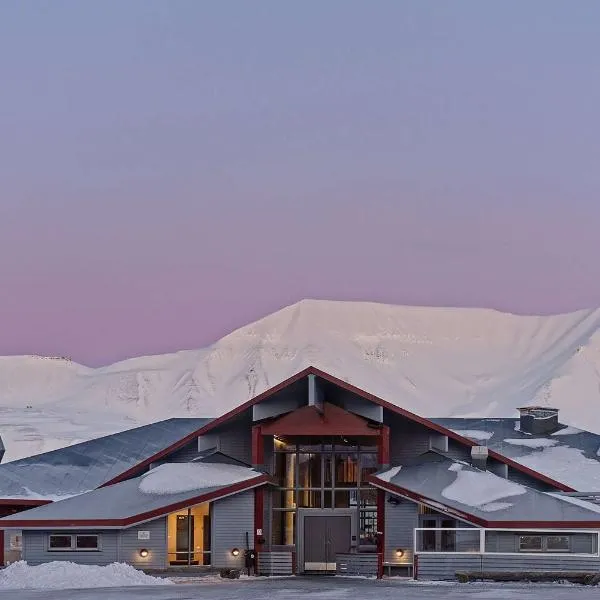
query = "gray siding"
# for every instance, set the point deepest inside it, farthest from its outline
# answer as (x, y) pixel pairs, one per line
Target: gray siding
(35, 549)
(275, 563)
(400, 522)
(508, 541)
(440, 566)
(186, 454)
(235, 440)
(130, 546)
(356, 564)
(407, 439)
(532, 482)
(232, 517)
(458, 451)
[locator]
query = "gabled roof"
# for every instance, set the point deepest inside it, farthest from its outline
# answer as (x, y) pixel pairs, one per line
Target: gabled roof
(350, 388)
(165, 489)
(83, 467)
(483, 498)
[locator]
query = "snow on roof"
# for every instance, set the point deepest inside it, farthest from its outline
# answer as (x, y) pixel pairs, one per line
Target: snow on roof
(126, 500)
(177, 478)
(480, 489)
(568, 455)
(474, 434)
(441, 482)
(389, 475)
(83, 467)
(532, 442)
(64, 575)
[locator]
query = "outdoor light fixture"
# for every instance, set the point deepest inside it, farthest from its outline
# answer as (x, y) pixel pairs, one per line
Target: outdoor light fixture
(399, 553)
(235, 552)
(143, 552)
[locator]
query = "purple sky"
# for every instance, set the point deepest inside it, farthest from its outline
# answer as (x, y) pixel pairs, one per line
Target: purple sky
(172, 170)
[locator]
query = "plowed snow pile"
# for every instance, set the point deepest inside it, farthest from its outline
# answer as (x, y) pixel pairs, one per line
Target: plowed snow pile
(67, 575)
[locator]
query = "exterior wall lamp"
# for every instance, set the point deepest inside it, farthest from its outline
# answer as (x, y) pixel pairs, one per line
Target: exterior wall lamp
(235, 552)
(399, 553)
(144, 553)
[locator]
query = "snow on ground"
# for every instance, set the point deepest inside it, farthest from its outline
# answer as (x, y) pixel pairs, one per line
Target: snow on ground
(434, 361)
(59, 575)
(567, 431)
(474, 434)
(531, 442)
(480, 489)
(176, 478)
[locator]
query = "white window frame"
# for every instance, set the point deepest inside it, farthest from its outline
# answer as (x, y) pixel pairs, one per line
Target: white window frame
(74, 547)
(552, 550)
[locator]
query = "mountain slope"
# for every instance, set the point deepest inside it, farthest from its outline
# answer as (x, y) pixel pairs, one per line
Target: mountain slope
(433, 361)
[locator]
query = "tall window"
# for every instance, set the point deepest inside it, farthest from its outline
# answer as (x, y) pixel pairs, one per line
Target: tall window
(188, 536)
(328, 473)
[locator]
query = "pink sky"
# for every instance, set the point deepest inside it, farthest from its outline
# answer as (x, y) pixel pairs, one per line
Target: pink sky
(214, 163)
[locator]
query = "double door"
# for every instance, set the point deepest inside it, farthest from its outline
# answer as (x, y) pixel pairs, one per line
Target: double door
(324, 537)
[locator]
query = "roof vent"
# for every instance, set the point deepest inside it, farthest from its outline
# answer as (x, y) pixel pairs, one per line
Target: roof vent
(479, 456)
(538, 419)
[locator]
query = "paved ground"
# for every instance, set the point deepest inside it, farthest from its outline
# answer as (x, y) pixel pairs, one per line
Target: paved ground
(318, 589)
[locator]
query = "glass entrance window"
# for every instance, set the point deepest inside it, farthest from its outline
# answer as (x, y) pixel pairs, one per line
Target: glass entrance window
(188, 536)
(326, 473)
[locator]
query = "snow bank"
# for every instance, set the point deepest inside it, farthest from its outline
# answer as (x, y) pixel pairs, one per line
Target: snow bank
(60, 575)
(177, 478)
(532, 442)
(480, 489)
(474, 434)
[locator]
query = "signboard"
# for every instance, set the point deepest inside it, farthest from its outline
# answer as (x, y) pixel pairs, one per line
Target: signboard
(143, 535)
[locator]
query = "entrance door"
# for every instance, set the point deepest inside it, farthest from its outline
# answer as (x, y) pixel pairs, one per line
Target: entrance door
(324, 537)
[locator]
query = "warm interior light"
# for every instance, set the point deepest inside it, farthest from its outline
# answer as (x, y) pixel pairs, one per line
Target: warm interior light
(143, 552)
(399, 553)
(235, 552)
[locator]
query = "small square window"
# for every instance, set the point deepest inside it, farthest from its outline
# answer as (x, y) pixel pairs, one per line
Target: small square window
(87, 542)
(60, 542)
(557, 543)
(530, 543)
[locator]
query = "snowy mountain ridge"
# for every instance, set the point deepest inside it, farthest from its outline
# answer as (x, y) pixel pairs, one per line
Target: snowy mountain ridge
(437, 362)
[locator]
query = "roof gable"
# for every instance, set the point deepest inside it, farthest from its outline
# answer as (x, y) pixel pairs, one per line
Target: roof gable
(308, 420)
(350, 388)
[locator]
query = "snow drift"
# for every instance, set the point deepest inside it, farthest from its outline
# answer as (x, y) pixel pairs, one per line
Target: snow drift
(434, 361)
(63, 575)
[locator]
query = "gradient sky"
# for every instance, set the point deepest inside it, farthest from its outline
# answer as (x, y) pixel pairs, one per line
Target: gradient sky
(172, 170)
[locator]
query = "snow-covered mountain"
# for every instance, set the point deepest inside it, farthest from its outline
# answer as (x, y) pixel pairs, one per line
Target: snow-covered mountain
(434, 361)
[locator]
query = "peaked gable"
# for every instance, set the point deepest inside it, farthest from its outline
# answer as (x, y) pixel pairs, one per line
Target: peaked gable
(308, 420)
(350, 388)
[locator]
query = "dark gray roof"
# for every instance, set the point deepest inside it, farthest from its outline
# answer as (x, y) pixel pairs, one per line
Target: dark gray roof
(128, 500)
(568, 455)
(484, 495)
(88, 465)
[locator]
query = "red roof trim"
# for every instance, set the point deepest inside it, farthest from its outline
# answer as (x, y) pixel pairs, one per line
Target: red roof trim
(235, 488)
(351, 388)
(23, 502)
(401, 491)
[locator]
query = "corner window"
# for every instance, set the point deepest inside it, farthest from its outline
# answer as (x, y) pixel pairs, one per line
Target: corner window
(557, 543)
(64, 542)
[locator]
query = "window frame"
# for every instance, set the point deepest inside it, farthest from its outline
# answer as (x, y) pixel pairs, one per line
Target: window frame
(536, 536)
(543, 549)
(565, 537)
(74, 546)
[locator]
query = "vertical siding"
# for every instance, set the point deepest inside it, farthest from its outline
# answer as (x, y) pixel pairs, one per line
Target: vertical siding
(459, 451)
(400, 522)
(130, 546)
(35, 549)
(232, 517)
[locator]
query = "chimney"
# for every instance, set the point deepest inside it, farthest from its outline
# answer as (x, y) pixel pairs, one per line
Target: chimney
(538, 419)
(479, 456)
